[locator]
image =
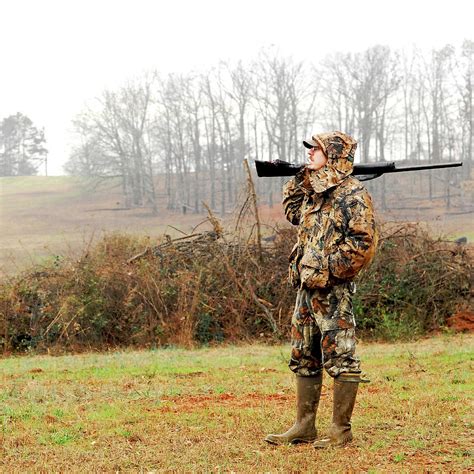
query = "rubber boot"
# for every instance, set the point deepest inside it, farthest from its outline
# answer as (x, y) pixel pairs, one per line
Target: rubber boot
(345, 392)
(308, 391)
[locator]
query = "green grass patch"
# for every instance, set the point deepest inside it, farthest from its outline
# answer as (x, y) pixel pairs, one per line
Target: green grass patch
(61, 437)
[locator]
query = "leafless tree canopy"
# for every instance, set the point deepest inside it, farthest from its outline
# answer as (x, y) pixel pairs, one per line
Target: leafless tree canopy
(193, 130)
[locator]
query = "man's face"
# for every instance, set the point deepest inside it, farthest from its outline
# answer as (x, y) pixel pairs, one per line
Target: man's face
(317, 159)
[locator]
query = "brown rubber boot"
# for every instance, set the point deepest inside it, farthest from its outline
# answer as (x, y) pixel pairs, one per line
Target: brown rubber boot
(308, 391)
(345, 392)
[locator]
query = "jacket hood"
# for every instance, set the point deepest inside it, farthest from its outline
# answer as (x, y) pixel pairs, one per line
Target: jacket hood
(339, 149)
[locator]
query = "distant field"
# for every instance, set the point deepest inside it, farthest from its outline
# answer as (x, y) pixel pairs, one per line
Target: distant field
(46, 216)
(208, 410)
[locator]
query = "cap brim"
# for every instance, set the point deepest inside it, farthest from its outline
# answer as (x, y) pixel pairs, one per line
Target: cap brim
(310, 143)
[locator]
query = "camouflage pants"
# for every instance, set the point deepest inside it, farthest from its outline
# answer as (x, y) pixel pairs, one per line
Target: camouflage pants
(323, 332)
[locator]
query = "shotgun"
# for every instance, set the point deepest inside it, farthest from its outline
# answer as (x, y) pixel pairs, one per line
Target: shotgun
(364, 172)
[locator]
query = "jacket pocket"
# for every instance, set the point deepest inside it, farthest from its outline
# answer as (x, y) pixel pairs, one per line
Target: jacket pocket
(314, 270)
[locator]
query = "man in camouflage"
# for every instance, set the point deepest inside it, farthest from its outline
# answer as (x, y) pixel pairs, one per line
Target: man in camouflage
(336, 240)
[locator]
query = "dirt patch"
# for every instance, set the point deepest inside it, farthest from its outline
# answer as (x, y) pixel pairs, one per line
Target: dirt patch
(377, 389)
(36, 370)
(463, 321)
(188, 375)
(193, 403)
(250, 400)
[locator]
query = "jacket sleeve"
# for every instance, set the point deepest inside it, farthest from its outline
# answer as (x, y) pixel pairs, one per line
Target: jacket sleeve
(359, 236)
(293, 196)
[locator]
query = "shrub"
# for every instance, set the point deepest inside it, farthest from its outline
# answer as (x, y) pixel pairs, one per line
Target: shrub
(210, 287)
(413, 285)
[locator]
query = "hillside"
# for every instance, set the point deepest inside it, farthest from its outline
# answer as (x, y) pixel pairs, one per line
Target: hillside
(46, 216)
(43, 216)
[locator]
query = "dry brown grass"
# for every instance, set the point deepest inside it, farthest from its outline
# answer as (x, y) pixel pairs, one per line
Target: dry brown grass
(44, 216)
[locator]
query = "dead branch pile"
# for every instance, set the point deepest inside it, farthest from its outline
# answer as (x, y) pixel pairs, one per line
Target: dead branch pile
(414, 284)
(200, 288)
(210, 287)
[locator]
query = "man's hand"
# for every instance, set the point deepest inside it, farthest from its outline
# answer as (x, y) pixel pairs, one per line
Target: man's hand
(302, 178)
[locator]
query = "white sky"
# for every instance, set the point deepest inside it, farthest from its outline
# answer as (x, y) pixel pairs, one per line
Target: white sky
(57, 54)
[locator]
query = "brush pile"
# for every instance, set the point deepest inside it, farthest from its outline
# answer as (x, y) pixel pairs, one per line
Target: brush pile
(415, 283)
(211, 287)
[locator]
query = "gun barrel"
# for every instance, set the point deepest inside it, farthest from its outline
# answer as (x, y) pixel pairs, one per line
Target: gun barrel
(373, 168)
(433, 166)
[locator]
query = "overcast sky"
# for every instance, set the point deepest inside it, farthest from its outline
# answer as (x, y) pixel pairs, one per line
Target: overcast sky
(58, 54)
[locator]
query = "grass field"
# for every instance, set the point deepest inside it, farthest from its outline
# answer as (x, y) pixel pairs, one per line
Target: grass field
(60, 215)
(207, 410)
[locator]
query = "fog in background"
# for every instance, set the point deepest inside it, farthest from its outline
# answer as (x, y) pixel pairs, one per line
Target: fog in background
(154, 105)
(58, 55)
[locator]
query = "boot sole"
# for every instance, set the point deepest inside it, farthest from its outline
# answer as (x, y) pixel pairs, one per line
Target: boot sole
(293, 441)
(327, 443)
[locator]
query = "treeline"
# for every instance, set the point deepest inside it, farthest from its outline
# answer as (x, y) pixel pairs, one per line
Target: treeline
(22, 146)
(183, 137)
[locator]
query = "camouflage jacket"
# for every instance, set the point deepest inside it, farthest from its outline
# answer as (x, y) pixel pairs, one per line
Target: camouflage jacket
(336, 226)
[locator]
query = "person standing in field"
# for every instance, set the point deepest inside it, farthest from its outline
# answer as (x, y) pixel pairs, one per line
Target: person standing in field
(337, 238)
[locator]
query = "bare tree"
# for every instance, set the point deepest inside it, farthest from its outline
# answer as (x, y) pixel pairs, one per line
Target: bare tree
(117, 129)
(363, 84)
(465, 87)
(284, 97)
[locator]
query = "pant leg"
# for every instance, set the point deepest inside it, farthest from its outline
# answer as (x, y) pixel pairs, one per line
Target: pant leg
(332, 309)
(306, 357)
